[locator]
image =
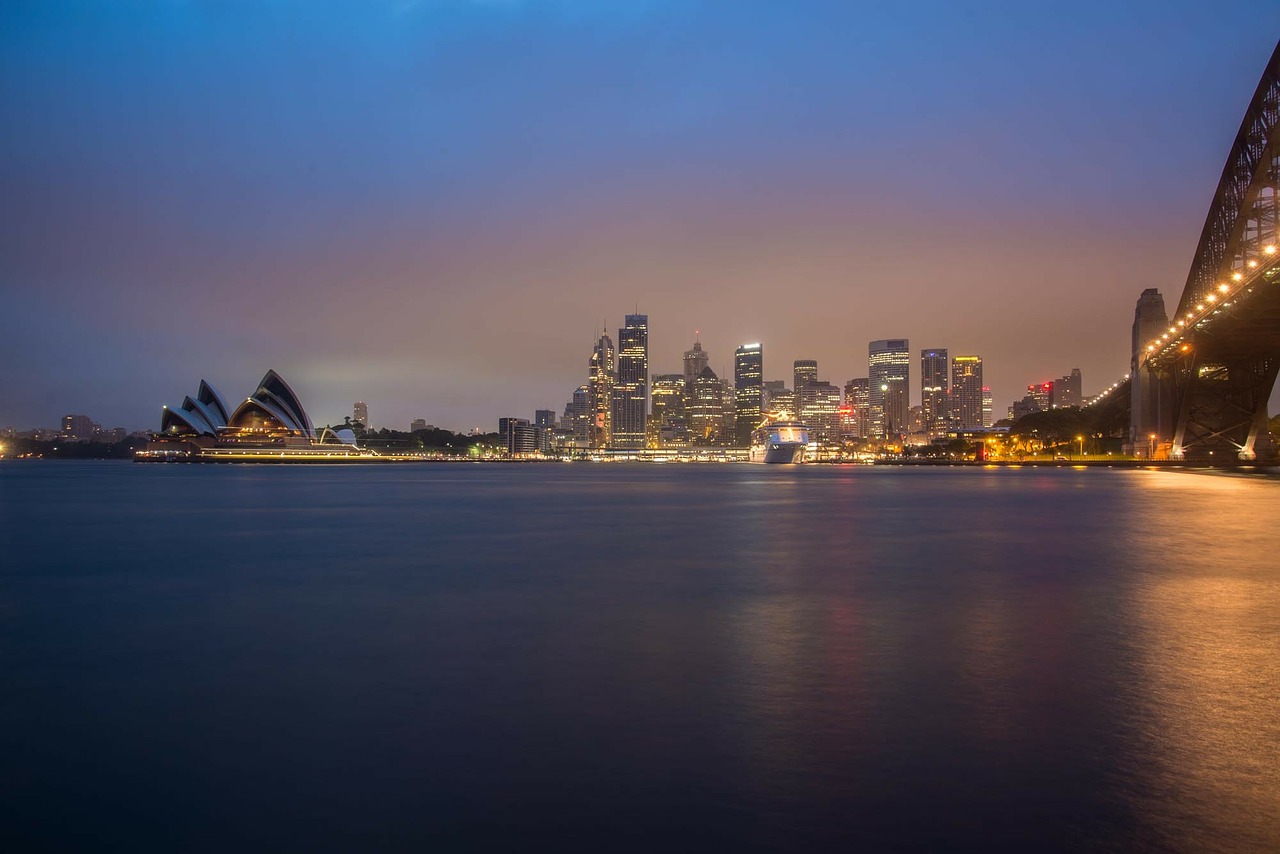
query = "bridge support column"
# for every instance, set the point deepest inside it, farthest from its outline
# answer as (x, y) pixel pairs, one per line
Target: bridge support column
(1222, 407)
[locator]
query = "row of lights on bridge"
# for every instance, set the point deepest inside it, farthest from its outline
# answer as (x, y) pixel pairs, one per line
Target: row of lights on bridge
(1223, 288)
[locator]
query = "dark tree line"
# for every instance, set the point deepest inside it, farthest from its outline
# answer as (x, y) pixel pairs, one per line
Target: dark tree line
(61, 449)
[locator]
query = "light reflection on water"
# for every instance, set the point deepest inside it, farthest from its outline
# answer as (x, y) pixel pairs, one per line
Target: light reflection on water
(1208, 653)
(757, 657)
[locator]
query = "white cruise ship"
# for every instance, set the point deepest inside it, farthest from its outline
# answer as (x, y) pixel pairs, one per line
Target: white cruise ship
(779, 440)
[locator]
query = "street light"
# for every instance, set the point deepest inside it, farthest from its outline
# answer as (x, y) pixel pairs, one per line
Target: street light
(1152, 452)
(1080, 439)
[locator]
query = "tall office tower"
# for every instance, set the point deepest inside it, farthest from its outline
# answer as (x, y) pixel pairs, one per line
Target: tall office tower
(1042, 396)
(729, 422)
(805, 371)
(600, 379)
(889, 370)
(1149, 321)
(360, 412)
(631, 390)
(706, 407)
(933, 391)
(805, 377)
(544, 418)
(748, 385)
(987, 417)
(966, 391)
(857, 399)
(417, 424)
(820, 410)
(694, 361)
(668, 426)
(578, 417)
(1067, 390)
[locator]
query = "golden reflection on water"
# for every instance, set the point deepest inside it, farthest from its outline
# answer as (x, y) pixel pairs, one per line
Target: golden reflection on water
(1208, 654)
(1169, 645)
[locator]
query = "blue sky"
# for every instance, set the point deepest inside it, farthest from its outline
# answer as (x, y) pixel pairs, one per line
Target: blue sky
(434, 206)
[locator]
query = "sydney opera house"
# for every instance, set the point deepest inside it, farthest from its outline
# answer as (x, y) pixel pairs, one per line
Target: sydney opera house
(270, 425)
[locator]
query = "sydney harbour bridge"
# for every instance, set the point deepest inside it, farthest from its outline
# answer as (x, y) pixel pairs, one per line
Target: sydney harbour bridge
(1200, 379)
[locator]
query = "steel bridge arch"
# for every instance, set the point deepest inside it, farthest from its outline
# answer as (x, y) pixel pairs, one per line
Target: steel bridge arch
(1252, 172)
(1206, 381)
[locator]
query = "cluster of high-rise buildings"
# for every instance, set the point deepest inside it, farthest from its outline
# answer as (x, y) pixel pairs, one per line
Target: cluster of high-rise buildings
(621, 406)
(1054, 394)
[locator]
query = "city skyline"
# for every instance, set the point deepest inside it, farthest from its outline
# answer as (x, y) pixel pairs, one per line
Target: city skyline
(377, 256)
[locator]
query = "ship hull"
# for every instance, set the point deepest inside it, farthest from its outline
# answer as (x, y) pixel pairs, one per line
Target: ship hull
(785, 453)
(780, 442)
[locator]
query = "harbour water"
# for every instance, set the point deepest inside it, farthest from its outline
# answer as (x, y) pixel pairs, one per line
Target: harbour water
(616, 657)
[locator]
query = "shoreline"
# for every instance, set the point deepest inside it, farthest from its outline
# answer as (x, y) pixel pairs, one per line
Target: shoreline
(1268, 468)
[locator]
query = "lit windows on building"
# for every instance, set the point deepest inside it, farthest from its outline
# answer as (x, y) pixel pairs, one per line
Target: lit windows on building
(857, 401)
(966, 392)
(933, 391)
(705, 407)
(601, 375)
(889, 372)
(668, 425)
(748, 387)
(804, 371)
(630, 392)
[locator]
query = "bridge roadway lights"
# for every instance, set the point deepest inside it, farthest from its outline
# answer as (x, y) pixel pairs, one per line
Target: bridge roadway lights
(1211, 385)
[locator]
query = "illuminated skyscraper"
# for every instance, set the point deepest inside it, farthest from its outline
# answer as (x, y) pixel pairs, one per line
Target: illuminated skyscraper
(988, 419)
(889, 372)
(631, 390)
(820, 410)
(601, 377)
(933, 391)
(857, 399)
(1042, 395)
(966, 391)
(360, 412)
(706, 407)
(748, 385)
(668, 424)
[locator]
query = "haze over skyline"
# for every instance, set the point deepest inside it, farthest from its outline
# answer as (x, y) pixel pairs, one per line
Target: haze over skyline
(434, 206)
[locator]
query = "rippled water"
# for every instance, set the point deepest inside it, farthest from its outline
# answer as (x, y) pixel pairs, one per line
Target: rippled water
(452, 657)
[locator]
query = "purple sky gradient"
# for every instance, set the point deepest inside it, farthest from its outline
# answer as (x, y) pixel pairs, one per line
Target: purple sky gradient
(434, 206)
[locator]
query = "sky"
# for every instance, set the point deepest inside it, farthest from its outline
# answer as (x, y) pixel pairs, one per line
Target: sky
(436, 206)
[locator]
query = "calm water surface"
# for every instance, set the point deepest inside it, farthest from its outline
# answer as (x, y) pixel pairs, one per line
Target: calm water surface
(468, 657)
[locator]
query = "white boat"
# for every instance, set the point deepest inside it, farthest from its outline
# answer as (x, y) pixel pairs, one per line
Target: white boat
(779, 440)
